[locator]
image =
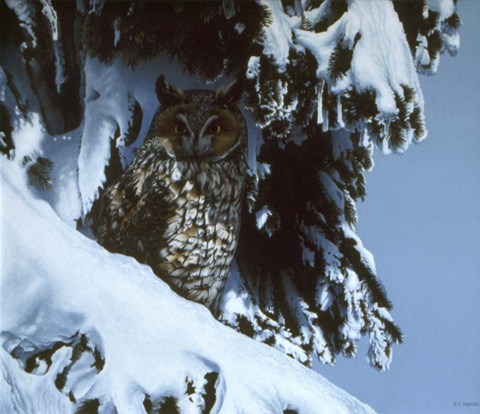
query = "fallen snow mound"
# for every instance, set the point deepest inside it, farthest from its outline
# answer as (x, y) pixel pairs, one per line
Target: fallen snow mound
(81, 327)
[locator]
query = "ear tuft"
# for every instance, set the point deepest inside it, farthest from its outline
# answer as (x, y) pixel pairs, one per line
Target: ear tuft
(167, 94)
(230, 95)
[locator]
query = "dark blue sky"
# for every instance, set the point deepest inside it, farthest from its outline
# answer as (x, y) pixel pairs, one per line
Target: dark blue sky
(421, 219)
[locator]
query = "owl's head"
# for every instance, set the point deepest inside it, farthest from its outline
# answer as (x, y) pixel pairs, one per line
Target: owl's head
(199, 124)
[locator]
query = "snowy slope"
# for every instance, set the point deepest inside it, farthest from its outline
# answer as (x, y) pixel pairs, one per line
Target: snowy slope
(99, 326)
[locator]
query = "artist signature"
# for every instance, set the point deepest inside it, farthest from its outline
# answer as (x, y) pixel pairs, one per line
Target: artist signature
(466, 404)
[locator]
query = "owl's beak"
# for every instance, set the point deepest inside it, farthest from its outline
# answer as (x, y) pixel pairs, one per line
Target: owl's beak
(196, 144)
(186, 147)
(202, 144)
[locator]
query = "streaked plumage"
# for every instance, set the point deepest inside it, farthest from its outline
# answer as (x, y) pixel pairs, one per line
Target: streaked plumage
(177, 206)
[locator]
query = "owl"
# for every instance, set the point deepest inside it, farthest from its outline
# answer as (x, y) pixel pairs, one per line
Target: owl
(177, 206)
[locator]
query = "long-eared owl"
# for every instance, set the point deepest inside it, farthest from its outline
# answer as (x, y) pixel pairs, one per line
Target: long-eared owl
(177, 206)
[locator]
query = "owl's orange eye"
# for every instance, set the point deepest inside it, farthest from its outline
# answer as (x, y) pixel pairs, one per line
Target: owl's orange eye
(214, 129)
(180, 129)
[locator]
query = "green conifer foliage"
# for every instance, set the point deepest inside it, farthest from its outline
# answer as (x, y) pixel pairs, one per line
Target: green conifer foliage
(39, 171)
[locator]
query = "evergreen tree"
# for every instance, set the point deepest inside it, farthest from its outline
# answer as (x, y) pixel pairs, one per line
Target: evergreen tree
(325, 82)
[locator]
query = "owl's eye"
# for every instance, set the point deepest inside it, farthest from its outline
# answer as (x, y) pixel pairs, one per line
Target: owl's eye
(180, 129)
(214, 129)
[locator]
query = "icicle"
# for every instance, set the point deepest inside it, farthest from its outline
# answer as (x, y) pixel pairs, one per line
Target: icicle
(116, 28)
(325, 126)
(409, 135)
(228, 8)
(3, 85)
(50, 14)
(59, 69)
(364, 135)
(320, 105)
(425, 11)
(3, 143)
(386, 127)
(385, 141)
(340, 122)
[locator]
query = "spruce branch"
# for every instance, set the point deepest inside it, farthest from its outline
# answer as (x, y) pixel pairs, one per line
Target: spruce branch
(417, 123)
(435, 43)
(454, 21)
(409, 93)
(39, 171)
(396, 135)
(340, 61)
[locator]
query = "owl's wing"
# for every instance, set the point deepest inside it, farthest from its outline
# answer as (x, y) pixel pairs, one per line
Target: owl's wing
(137, 203)
(112, 212)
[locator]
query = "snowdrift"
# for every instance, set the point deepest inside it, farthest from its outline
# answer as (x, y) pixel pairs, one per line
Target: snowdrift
(83, 329)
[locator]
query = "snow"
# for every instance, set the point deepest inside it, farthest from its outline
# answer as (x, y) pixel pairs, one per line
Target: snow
(253, 67)
(57, 284)
(320, 44)
(341, 145)
(377, 343)
(331, 192)
(262, 216)
(331, 255)
(315, 15)
(379, 63)
(352, 327)
(445, 8)
(28, 136)
(25, 393)
(278, 35)
(452, 42)
(237, 301)
(64, 195)
(324, 297)
(450, 37)
(106, 106)
(366, 256)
